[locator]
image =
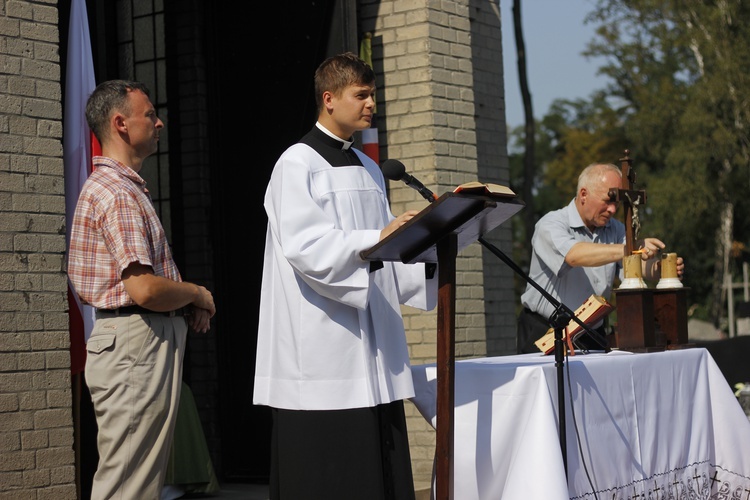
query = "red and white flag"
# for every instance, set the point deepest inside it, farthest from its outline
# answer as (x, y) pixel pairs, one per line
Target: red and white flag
(370, 144)
(79, 145)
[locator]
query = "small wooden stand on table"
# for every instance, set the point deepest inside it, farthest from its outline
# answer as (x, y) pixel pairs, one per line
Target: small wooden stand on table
(437, 234)
(670, 310)
(635, 320)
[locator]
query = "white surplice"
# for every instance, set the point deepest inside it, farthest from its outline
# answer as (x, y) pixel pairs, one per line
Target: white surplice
(330, 334)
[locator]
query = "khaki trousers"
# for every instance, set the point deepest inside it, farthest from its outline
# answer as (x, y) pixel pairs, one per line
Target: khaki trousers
(134, 374)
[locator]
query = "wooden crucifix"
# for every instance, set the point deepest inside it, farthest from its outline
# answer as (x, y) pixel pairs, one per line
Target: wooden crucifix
(631, 199)
(635, 307)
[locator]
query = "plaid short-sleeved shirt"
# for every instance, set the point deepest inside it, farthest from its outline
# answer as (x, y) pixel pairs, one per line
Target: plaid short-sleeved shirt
(114, 225)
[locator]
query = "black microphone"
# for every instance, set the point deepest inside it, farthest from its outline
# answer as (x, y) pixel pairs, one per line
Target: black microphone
(395, 171)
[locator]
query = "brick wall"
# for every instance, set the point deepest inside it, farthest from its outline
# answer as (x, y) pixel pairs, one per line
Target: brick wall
(36, 423)
(440, 112)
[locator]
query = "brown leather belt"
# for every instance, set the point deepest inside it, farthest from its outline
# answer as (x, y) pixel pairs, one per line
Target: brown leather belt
(128, 310)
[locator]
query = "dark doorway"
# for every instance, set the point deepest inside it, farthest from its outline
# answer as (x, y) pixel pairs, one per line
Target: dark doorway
(261, 87)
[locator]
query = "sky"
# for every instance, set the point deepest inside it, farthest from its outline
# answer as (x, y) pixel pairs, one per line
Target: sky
(555, 36)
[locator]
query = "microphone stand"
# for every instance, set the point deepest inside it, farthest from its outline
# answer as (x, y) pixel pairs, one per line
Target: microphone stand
(558, 320)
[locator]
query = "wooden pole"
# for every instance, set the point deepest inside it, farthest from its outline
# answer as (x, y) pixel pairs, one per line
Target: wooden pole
(447, 249)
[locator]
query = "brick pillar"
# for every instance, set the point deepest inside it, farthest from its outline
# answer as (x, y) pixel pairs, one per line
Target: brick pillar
(36, 446)
(441, 112)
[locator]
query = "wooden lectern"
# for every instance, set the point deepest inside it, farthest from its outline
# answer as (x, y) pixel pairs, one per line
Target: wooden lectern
(437, 234)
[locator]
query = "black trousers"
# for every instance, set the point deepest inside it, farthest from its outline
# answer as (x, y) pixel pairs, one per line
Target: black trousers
(532, 326)
(361, 453)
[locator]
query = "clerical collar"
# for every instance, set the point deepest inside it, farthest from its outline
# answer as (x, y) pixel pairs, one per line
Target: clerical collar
(344, 144)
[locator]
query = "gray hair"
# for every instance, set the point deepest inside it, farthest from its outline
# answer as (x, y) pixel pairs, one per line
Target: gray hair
(593, 174)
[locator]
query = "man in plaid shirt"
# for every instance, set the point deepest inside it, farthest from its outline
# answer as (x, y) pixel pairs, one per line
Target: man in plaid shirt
(120, 263)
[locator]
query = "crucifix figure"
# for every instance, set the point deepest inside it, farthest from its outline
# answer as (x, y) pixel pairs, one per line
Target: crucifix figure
(636, 218)
(631, 199)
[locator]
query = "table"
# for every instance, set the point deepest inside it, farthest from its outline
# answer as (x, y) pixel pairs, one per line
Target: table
(639, 426)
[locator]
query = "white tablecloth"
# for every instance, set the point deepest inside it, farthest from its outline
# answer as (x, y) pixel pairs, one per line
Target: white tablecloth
(643, 426)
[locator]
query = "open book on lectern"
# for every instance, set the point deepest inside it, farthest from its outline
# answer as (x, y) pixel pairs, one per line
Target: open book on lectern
(465, 214)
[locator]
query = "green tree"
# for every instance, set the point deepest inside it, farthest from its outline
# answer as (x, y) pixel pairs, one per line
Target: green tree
(679, 76)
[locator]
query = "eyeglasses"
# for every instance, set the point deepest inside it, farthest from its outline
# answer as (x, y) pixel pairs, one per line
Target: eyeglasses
(610, 201)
